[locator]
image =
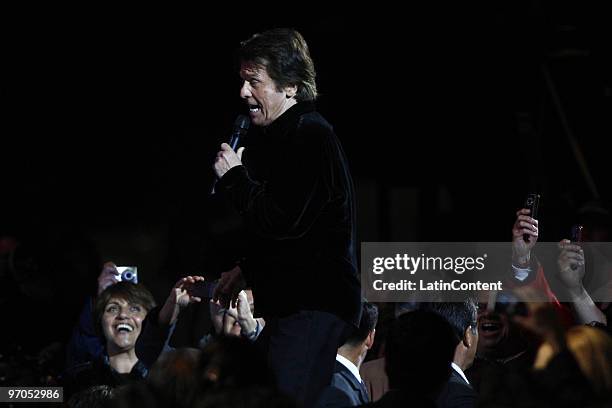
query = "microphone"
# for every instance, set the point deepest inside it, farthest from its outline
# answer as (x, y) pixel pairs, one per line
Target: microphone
(241, 126)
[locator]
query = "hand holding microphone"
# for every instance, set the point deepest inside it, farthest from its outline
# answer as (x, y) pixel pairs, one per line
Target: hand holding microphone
(228, 156)
(226, 159)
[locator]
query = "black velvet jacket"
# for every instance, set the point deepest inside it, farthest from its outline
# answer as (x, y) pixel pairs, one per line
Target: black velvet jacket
(295, 193)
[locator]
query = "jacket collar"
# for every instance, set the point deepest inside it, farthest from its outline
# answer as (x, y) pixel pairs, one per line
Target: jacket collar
(288, 119)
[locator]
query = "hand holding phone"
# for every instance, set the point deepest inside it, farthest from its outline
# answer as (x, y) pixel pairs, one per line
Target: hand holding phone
(532, 203)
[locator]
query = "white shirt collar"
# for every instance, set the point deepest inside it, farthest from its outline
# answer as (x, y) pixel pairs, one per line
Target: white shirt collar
(460, 371)
(349, 364)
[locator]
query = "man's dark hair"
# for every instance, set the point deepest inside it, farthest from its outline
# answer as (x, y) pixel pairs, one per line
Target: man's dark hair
(460, 315)
(132, 293)
(419, 351)
(284, 54)
(369, 318)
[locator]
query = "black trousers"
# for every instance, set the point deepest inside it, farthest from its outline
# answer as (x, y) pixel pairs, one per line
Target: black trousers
(302, 351)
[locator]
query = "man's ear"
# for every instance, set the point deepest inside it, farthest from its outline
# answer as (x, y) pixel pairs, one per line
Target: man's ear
(291, 91)
(369, 342)
(468, 337)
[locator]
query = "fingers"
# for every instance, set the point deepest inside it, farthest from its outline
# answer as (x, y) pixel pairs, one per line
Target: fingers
(568, 246)
(234, 302)
(109, 268)
(184, 289)
(188, 281)
(525, 218)
(523, 211)
(525, 228)
(108, 276)
(215, 306)
(226, 151)
(572, 255)
(232, 312)
(521, 230)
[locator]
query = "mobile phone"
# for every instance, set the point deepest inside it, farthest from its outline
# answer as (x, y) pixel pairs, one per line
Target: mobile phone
(204, 290)
(576, 234)
(532, 203)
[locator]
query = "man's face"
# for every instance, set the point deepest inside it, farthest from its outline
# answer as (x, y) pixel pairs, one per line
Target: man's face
(493, 329)
(121, 324)
(265, 100)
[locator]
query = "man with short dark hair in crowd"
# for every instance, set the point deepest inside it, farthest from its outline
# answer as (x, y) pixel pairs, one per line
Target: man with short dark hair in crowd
(418, 354)
(347, 389)
(462, 317)
(291, 183)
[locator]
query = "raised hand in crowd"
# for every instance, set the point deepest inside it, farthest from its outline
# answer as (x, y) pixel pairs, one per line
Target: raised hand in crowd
(524, 226)
(107, 277)
(571, 264)
(181, 296)
(238, 320)
(229, 286)
(243, 313)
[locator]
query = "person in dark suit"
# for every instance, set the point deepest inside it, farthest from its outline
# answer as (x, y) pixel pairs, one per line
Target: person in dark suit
(292, 186)
(463, 318)
(347, 389)
(457, 393)
(418, 355)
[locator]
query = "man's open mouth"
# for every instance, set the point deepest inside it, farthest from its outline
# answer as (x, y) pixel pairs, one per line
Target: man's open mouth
(254, 108)
(489, 326)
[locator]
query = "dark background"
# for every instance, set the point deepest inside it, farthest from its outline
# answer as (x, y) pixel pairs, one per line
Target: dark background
(111, 119)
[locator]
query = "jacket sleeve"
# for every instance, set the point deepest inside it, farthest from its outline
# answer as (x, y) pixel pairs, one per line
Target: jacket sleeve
(153, 339)
(333, 397)
(85, 344)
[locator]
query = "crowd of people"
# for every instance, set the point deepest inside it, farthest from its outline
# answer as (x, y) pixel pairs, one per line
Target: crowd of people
(278, 337)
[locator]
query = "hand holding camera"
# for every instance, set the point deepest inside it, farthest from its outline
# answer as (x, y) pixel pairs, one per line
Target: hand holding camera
(109, 276)
(112, 274)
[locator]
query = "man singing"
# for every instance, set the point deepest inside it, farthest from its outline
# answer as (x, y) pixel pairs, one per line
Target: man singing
(293, 187)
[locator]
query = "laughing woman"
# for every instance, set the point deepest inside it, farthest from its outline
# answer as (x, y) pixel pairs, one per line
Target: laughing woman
(124, 314)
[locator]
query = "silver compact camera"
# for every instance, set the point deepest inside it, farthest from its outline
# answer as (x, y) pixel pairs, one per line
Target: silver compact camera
(127, 274)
